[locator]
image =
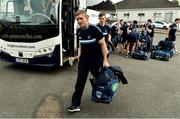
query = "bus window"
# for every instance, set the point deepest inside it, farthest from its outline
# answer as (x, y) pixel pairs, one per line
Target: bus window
(44, 11)
(9, 8)
(19, 7)
(37, 6)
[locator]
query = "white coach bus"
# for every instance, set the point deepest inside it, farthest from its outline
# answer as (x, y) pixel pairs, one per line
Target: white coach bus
(38, 32)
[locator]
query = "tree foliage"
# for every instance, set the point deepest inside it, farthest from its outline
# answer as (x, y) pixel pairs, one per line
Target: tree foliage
(176, 1)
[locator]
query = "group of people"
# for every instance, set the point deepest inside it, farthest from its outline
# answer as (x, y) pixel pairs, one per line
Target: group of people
(130, 36)
(93, 44)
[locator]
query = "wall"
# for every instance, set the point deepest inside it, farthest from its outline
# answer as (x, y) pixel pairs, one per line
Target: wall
(148, 13)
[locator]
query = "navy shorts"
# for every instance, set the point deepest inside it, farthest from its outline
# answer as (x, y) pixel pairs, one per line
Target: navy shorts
(124, 38)
(132, 37)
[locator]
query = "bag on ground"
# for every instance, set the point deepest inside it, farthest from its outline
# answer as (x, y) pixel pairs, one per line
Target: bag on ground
(160, 55)
(139, 54)
(165, 44)
(106, 84)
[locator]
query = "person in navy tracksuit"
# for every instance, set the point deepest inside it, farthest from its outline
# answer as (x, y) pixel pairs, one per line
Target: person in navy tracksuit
(93, 55)
(105, 29)
(124, 35)
(149, 28)
(172, 31)
(103, 26)
(132, 38)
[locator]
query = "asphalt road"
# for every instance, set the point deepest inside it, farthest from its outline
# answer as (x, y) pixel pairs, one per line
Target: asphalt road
(153, 89)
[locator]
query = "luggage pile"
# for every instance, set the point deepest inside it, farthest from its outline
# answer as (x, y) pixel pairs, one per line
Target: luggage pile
(162, 51)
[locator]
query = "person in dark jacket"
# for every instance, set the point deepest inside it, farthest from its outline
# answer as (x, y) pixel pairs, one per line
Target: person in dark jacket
(149, 28)
(93, 56)
(172, 31)
(115, 37)
(105, 29)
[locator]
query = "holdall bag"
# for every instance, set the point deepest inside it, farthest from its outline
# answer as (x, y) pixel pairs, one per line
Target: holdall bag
(116, 39)
(139, 54)
(165, 44)
(143, 47)
(104, 93)
(171, 52)
(144, 38)
(105, 86)
(160, 55)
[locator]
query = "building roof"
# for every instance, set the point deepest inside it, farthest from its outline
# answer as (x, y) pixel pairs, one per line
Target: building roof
(138, 4)
(104, 5)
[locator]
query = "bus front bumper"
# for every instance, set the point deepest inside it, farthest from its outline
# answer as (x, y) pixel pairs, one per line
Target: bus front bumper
(46, 60)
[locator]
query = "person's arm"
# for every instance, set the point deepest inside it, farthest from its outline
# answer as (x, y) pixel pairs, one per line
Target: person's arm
(78, 47)
(168, 30)
(79, 53)
(149, 29)
(109, 37)
(104, 52)
(109, 33)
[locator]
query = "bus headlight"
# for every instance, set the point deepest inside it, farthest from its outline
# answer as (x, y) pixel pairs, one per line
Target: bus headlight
(45, 51)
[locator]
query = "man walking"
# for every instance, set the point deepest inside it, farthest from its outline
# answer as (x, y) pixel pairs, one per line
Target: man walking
(149, 28)
(105, 29)
(172, 32)
(93, 55)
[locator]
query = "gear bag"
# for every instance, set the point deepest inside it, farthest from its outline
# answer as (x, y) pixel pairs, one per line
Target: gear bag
(106, 84)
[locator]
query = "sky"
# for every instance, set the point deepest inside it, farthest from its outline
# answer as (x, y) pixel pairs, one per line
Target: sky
(116, 1)
(93, 2)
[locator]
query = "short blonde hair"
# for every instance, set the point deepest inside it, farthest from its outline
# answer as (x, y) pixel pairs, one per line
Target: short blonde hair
(83, 12)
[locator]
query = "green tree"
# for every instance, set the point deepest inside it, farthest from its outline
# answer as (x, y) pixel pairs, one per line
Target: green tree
(176, 1)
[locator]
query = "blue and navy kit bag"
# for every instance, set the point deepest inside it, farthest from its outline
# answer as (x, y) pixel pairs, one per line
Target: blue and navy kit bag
(144, 38)
(171, 53)
(165, 44)
(139, 54)
(104, 93)
(106, 84)
(160, 55)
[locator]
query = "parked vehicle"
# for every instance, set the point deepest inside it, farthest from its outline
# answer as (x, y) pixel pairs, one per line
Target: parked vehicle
(161, 25)
(38, 36)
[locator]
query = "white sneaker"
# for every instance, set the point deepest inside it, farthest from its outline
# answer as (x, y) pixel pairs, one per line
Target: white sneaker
(176, 53)
(63, 50)
(71, 61)
(73, 108)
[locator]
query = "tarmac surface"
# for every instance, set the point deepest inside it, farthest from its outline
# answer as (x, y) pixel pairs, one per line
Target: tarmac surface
(153, 89)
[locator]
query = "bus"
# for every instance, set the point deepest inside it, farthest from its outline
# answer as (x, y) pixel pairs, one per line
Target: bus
(38, 32)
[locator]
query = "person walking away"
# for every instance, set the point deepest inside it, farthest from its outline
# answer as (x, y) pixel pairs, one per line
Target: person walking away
(172, 33)
(149, 28)
(124, 36)
(115, 37)
(120, 24)
(132, 39)
(93, 55)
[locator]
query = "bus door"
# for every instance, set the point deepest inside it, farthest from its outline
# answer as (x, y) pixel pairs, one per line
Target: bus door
(68, 11)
